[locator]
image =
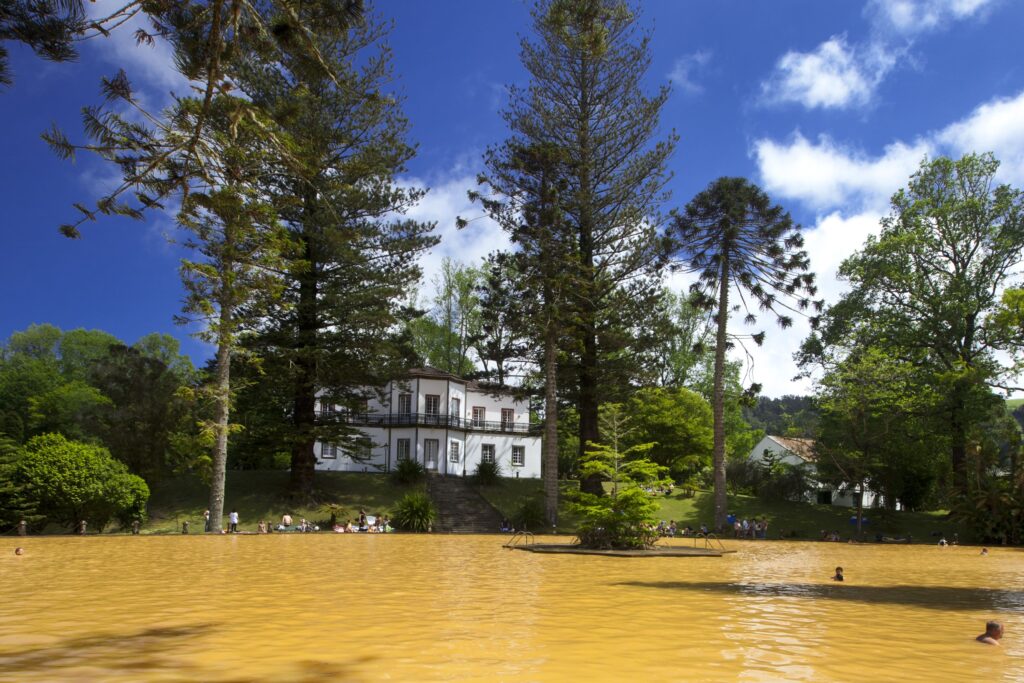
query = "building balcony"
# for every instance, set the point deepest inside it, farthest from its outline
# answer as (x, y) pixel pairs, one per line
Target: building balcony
(430, 420)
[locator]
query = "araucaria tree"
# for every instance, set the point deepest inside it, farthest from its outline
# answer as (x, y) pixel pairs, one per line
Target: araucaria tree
(341, 325)
(927, 290)
(734, 239)
(584, 103)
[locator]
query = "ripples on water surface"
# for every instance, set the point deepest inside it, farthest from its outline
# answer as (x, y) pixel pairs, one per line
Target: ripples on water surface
(418, 608)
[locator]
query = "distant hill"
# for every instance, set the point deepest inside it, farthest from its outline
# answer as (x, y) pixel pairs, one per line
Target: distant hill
(794, 416)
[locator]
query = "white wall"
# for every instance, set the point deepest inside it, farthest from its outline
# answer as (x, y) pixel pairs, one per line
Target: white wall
(385, 451)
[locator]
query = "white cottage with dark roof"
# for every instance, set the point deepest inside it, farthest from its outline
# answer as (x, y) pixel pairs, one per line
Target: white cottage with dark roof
(802, 452)
(446, 423)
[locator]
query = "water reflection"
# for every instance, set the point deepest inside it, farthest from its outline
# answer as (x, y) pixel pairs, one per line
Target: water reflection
(930, 597)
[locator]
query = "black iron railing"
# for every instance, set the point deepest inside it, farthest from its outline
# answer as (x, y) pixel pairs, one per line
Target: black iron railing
(429, 420)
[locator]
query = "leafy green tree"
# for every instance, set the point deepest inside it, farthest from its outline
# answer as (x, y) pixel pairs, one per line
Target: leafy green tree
(872, 408)
(624, 518)
(149, 421)
(733, 238)
(927, 290)
(15, 505)
(71, 409)
(69, 481)
(443, 338)
(679, 424)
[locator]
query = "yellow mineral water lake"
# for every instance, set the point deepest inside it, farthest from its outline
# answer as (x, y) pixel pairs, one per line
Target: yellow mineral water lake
(326, 607)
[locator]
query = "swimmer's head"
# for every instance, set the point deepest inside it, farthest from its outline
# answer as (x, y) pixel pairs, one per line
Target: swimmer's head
(19, 551)
(994, 629)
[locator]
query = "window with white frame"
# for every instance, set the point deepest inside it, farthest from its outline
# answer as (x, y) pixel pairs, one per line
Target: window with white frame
(456, 407)
(402, 447)
(508, 418)
(329, 451)
(433, 404)
(453, 451)
(404, 404)
(518, 456)
(487, 452)
(479, 415)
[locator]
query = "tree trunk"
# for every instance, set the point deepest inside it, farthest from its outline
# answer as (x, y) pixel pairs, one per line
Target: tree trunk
(304, 397)
(222, 412)
(860, 511)
(958, 446)
(551, 425)
(589, 405)
(718, 399)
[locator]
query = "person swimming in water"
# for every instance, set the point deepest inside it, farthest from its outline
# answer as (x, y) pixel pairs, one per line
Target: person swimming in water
(839, 574)
(984, 551)
(993, 632)
(19, 551)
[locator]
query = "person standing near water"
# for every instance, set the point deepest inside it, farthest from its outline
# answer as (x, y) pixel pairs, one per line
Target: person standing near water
(233, 519)
(993, 632)
(206, 523)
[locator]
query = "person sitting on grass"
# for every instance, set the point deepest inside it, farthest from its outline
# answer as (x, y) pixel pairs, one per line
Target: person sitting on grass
(993, 632)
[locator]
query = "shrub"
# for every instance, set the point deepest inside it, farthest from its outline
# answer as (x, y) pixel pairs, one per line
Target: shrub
(488, 473)
(414, 512)
(620, 523)
(408, 472)
(70, 481)
(529, 515)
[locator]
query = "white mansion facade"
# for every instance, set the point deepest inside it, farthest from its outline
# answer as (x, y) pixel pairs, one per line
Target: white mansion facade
(447, 424)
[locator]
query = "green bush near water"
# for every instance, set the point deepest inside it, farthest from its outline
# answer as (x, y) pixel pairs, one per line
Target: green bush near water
(414, 512)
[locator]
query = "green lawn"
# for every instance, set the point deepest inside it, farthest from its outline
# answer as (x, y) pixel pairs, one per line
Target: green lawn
(793, 520)
(805, 520)
(260, 495)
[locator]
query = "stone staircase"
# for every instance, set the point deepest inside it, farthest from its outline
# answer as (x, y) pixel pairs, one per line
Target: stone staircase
(460, 509)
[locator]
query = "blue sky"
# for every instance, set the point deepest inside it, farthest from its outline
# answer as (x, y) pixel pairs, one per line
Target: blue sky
(829, 106)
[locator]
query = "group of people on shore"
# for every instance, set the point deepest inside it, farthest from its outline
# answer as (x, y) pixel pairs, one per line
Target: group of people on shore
(365, 524)
(753, 528)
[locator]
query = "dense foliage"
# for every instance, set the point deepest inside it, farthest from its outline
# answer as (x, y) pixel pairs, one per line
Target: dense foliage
(624, 518)
(68, 481)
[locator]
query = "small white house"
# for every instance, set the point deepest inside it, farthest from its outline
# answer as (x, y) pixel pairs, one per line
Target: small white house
(446, 423)
(801, 452)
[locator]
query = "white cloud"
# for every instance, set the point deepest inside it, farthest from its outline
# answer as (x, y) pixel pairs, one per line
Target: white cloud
(686, 69)
(824, 175)
(839, 75)
(913, 17)
(446, 201)
(996, 126)
(850, 189)
(832, 76)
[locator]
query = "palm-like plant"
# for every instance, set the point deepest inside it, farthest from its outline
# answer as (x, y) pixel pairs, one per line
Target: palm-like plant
(733, 238)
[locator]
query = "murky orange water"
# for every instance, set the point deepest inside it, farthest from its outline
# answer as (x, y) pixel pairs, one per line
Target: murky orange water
(422, 608)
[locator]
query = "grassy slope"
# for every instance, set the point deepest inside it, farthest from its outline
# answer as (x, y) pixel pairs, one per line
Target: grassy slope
(261, 495)
(806, 521)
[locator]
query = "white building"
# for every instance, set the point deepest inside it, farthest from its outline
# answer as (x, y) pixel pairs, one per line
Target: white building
(447, 424)
(801, 452)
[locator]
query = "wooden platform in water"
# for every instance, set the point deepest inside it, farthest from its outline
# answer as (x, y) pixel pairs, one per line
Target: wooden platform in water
(665, 551)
